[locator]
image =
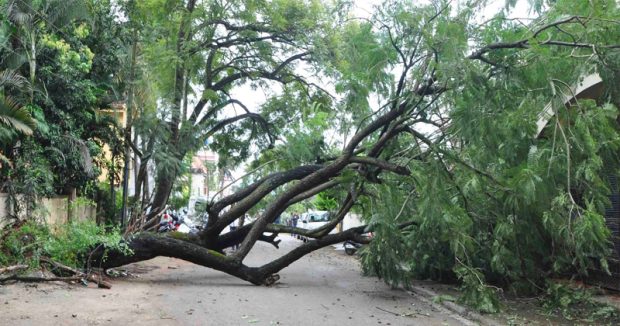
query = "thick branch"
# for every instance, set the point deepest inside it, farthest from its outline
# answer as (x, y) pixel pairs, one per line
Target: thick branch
(315, 179)
(223, 123)
(267, 186)
(310, 246)
(324, 229)
(385, 165)
(314, 191)
(147, 246)
(14, 268)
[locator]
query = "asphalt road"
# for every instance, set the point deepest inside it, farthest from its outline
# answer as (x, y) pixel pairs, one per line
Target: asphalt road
(323, 288)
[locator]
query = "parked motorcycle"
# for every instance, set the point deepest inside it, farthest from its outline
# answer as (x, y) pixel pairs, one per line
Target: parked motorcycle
(170, 222)
(168, 226)
(351, 247)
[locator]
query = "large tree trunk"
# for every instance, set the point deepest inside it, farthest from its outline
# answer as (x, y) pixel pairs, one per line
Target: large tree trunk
(163, 188)
(127, 153)
(145, 246)
(165, 182)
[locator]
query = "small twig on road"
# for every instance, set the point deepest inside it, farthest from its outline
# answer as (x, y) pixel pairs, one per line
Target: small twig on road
(390, 312)
(324, 306)
(16, 277)
(402, 315)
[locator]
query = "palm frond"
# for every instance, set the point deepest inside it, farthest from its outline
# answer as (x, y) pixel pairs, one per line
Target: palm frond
(15, 116)
(20, 12)
(6, 134)
(12, 78)
(5, 160)
(62, 12)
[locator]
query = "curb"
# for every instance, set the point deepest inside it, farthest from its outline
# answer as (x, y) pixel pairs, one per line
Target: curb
(468, 314)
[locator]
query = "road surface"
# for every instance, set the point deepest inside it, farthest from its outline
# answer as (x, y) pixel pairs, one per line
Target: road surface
(323, 288)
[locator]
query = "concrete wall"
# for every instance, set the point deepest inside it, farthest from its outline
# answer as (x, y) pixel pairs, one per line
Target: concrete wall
(83, 212)
(53, 211)
(3, 209)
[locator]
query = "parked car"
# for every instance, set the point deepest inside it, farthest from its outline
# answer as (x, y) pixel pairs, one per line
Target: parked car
(313, 220)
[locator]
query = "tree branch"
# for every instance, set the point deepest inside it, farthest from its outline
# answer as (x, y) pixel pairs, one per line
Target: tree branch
(385, 165)
(525, 43)
(274, 181)
(310, 246)
(258, 74)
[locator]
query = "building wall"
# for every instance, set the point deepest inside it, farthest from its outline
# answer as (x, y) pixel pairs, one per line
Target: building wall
(53, 211)
(200, 171)
(197, 190)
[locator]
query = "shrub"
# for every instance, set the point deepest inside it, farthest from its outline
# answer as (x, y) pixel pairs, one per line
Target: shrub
(69, 244)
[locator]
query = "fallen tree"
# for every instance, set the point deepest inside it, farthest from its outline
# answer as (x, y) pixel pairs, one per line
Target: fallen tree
(360, 161)
(300, 183)
(148, 245)
(446, 171)
(385, 140)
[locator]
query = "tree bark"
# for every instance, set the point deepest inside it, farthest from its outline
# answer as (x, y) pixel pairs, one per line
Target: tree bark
(148, 245)
(145, 246)
(129, 123)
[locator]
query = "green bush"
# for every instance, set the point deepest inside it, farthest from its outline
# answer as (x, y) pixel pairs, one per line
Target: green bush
(23, 245)
(73, 242)
(69, 244)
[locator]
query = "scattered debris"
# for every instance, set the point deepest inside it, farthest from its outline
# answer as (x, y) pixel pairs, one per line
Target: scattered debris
(14, 268)
(59, 271)
(403, 314)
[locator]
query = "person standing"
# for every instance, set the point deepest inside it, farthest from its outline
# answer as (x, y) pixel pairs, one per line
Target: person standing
(233, 227)
(294, 220)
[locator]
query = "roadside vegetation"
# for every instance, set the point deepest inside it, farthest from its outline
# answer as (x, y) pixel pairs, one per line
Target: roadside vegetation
(69, 244)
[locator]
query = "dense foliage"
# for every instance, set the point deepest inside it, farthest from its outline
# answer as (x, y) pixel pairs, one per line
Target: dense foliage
(69, 54)
(495, 203)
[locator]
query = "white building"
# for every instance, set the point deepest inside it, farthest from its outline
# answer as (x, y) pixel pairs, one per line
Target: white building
(207, 179)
